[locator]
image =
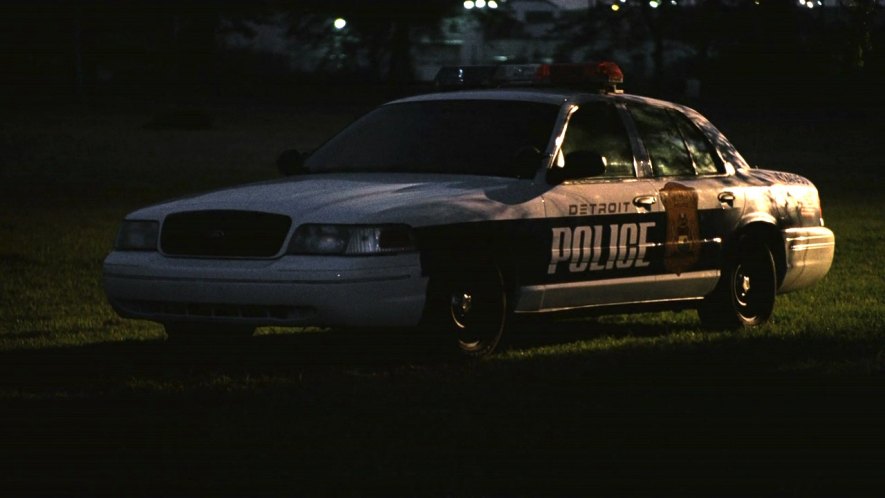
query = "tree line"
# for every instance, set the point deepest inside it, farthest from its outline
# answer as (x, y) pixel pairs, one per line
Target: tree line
(84, 45)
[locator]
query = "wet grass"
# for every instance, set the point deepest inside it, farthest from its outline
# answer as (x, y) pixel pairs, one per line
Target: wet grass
(645, 404)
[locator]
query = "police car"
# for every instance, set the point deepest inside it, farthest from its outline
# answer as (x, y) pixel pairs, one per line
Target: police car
(452, 212)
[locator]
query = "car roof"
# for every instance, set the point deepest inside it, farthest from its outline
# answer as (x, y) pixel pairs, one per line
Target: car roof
(543, 96)
(556, 96)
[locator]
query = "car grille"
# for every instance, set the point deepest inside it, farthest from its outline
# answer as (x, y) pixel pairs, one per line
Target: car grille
(224, 234)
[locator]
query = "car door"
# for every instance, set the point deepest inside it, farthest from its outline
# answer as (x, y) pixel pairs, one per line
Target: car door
(700, 207)
(600, 230)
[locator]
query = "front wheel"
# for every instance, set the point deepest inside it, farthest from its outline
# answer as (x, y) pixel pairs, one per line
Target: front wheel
(469, 309)
(745, 294)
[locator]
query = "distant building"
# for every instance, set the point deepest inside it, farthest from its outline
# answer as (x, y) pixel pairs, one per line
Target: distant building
(512, 31)
(482, 32)
(537, 17)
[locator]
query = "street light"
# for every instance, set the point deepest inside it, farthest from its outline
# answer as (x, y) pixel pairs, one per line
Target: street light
(481, 4)
(339, 24)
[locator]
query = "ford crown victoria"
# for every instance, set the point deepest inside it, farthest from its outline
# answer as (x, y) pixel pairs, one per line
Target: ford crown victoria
(453, 211)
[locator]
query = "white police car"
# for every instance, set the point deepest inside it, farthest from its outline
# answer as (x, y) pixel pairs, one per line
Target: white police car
(461, 208)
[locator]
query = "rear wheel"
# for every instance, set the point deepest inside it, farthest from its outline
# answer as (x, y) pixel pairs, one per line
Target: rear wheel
(746, 291)
(468, 309)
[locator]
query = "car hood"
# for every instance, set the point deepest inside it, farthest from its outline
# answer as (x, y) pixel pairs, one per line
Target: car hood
(415, 199)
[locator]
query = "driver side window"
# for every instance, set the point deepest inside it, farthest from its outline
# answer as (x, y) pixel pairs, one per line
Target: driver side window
(597, 127)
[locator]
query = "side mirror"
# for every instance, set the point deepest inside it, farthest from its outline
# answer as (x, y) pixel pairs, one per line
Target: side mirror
(578, 164)
(291, 162)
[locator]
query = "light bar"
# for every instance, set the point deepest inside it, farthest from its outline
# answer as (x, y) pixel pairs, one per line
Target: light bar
(605, 74)
(598, 76)
(460, 77)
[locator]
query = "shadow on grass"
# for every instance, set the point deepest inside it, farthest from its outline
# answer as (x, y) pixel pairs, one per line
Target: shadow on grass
(356, 414)
(97, 366)
(577, 347)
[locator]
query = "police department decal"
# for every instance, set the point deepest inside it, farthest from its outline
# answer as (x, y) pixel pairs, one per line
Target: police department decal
(599, 247)
(601, 208)
(682, 248)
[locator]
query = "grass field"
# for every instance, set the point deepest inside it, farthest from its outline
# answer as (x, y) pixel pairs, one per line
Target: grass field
(646, 404)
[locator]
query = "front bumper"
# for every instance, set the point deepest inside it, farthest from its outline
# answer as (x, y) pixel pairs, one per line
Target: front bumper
(292, 290)
(809, 255)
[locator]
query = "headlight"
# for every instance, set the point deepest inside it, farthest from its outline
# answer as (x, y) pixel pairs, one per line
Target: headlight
(137, 236)
(351, 239)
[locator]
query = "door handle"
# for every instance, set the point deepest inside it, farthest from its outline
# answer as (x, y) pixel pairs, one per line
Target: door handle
(644, 201)
(727, 198)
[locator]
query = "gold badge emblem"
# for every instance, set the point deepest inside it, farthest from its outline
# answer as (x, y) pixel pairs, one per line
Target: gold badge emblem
(682, 249)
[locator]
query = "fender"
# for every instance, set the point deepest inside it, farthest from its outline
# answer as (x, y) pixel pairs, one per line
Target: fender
(756, 217)
(762, 226)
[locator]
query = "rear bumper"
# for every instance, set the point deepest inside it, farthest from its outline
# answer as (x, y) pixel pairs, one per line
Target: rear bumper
(292, 290)
(809, 255)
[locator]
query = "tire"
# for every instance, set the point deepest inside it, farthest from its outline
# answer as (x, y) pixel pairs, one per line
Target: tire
(468, 309)
(746, 291)
(206, 332)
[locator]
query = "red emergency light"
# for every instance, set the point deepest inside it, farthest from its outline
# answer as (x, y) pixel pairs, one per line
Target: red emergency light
(605, 74)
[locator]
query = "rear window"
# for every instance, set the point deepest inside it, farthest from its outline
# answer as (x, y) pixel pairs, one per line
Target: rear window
(675, 145)
(663, 141)
(706, 162)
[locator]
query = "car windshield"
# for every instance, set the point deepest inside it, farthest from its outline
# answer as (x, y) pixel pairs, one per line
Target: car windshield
(477, 137)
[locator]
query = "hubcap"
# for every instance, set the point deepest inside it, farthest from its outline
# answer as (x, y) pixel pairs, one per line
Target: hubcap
(461, 305)
(742, 287)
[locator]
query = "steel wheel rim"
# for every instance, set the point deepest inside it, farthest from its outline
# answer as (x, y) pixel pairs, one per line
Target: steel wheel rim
(474, 315)
(460, 308)
(742, 286)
